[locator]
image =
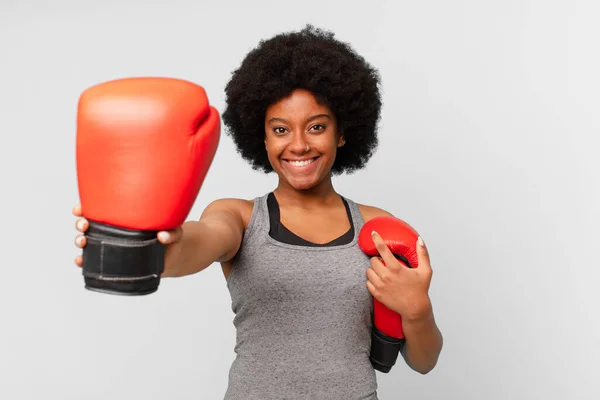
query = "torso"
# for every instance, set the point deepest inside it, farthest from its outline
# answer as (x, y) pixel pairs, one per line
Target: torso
(317, 226)
(295, 293)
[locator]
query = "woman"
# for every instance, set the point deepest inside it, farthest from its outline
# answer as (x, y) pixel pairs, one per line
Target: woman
(305, 106)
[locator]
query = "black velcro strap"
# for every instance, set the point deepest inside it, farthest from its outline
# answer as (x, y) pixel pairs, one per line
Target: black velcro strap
(384, 350)
(120, 260)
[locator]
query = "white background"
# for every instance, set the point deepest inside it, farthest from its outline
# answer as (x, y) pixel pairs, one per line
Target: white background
(489, 147)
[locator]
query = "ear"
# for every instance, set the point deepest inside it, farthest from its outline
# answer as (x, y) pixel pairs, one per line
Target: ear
(341, 140)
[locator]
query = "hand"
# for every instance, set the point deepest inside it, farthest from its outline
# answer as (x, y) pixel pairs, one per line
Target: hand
(401, 289)
(168, 238)
(81, 225)
(171, 239)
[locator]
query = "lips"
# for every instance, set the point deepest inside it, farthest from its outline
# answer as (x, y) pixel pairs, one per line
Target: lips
(300, 165)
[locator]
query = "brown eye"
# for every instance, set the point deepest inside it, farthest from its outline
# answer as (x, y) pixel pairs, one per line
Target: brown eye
(279, 130)
(318, 127)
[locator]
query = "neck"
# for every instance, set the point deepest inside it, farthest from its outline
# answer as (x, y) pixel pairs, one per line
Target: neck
(320, 195)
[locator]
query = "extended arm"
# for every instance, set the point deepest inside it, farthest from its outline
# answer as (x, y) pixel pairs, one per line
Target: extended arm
(216, 237)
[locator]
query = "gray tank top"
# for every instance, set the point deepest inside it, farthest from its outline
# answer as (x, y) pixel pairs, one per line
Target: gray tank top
(303, 318)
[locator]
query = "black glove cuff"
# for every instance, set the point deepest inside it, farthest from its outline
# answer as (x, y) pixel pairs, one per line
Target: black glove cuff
(122, 261)
(384, 350)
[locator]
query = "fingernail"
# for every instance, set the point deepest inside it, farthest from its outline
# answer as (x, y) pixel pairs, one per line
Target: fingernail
(373, 232)
(80, 225)
(421, 242)
(79, 240)
(164, 236)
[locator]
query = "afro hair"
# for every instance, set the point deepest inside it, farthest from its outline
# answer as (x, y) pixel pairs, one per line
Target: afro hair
(313, 60)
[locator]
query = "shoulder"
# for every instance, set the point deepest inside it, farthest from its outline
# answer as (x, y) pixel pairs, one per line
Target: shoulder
(231, 204)
(370, 212)
(241, 208)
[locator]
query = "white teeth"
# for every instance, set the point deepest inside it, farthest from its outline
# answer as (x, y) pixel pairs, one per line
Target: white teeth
(301, 163)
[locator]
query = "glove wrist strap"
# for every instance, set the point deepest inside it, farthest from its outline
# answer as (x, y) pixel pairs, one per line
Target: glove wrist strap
(122, 261)
(384, 350)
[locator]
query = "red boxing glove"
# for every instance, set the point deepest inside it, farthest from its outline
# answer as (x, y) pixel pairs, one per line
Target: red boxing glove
(387, 338)
(144, 147)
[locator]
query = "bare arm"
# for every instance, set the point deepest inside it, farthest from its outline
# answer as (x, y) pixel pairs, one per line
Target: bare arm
(424, 341)
(216, 237)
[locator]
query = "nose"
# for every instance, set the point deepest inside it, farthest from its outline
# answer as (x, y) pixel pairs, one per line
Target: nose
(299, 144)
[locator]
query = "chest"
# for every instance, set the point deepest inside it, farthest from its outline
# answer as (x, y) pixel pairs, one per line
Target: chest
(317, 228)
(287, 275)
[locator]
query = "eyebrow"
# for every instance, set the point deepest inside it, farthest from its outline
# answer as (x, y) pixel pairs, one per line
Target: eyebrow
(277, 119)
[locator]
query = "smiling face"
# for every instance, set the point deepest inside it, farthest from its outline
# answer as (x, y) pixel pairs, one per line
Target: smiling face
(301, 138)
